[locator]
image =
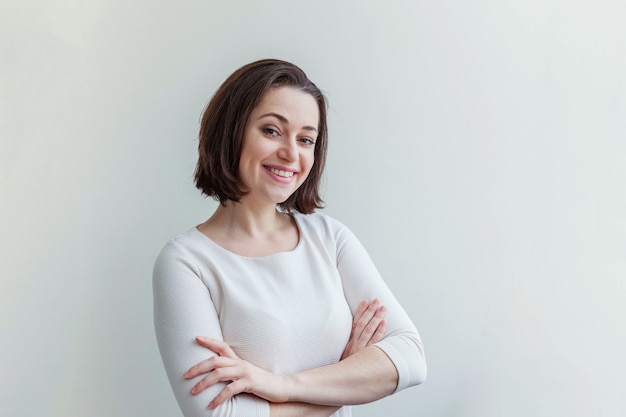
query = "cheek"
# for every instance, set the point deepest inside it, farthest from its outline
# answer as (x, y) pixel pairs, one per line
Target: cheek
(310, 161)
(311, 157)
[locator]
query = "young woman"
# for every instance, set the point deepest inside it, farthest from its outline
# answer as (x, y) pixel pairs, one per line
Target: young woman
(267, 308)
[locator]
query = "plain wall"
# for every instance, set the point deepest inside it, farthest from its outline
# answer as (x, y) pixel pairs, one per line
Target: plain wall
(477, 148)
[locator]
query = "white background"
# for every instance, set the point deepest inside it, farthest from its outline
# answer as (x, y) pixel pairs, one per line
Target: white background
(478, 149)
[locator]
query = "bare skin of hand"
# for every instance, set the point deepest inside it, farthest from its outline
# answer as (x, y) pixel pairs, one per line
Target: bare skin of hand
(368, 327)
(226, 366)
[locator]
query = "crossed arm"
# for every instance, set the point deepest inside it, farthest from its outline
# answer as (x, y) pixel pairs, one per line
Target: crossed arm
(364, 374)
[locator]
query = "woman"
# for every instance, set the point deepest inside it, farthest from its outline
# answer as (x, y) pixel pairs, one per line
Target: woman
(262, 310)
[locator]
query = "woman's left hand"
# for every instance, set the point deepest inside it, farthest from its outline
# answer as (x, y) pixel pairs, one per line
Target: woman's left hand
(240, 376)
(368, 327)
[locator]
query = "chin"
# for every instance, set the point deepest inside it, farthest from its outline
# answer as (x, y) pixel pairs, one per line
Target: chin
(281, 198)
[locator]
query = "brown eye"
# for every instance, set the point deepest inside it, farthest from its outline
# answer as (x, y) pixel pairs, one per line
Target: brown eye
(269, 131)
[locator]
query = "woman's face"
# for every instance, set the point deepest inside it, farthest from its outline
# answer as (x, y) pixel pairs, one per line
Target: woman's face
(278, 145)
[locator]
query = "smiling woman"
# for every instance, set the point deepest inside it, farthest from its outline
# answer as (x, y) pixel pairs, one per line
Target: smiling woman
(267, 308)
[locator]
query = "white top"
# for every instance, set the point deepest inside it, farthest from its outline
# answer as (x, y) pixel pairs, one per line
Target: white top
(285, 313)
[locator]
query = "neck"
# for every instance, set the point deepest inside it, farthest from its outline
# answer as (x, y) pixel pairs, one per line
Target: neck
(241, 218)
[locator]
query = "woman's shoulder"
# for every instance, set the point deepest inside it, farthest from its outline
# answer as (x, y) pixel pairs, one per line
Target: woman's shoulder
(186, 238)
(320, 224)
(183, 245)
(316, 219)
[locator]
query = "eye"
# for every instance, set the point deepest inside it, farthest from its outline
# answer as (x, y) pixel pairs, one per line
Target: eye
(307, 141)
(268, 131)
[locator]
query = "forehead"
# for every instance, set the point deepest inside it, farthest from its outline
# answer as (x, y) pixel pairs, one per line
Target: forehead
(297, 106)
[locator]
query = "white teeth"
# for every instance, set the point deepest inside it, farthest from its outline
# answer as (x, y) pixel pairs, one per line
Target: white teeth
(280, 172)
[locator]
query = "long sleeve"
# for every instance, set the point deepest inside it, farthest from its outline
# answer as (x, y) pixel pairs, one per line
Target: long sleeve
(183, 309)
(361, 280)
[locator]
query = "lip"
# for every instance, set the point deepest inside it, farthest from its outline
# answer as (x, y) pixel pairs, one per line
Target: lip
(278, 178)
(282, 168)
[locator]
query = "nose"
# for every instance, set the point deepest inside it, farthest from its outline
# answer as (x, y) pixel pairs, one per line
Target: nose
(288, 150)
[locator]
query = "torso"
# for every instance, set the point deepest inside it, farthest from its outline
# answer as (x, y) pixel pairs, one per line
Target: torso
(274, 310)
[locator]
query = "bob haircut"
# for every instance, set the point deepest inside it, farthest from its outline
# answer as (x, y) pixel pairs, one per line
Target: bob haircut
(224, 122)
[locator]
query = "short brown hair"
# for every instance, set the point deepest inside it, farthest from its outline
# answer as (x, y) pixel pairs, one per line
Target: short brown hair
(224, 122)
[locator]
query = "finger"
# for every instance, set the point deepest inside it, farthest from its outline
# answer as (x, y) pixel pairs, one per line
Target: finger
(366, 317)
(380, 332)
(217, 375)
(372, 325)
(359, 312)
(217, 346)
(228, 392)
(207, 365)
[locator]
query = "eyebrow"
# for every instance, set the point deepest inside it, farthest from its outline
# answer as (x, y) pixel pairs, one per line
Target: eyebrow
(284, 120)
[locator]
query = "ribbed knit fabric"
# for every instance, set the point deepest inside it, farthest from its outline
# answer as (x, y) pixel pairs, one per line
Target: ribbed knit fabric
(285, 313)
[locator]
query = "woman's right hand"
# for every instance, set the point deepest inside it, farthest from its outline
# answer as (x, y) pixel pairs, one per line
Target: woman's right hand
(368, 327)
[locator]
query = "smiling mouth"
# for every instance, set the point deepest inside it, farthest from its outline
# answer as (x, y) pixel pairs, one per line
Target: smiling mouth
(280, 172)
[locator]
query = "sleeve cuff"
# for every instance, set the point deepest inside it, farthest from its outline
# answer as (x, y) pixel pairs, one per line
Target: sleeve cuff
(407, 358)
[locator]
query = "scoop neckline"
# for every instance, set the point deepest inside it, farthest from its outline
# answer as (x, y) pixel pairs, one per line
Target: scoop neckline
(294, 216)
